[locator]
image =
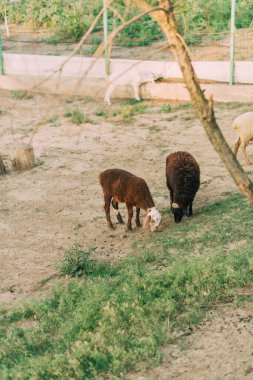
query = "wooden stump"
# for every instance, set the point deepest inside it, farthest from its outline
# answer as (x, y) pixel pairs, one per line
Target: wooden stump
(23, 158)
(2, 166)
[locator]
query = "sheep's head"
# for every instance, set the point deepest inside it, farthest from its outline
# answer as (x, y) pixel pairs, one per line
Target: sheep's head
(178, 212)
(153, 218)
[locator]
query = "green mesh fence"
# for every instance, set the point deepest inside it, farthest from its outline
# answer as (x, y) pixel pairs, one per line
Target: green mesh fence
(200, 24)
(212, 47)
(203, 47)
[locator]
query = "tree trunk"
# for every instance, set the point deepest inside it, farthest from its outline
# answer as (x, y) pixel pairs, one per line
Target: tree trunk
(2, 166)
(204, 107)
(23, 158)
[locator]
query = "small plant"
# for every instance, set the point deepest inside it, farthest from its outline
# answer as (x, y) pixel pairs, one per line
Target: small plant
(77, 262)
(53, 121)
(154, 128)
(127, 112)
(18, 94)
(182, 106)
(77, 117)
(131, 102)
(89, 52)
(101, 112)
(166, 108)
(77, 226)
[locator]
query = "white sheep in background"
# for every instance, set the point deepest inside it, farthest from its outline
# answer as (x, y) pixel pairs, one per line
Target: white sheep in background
(134, 77)
(243, 125)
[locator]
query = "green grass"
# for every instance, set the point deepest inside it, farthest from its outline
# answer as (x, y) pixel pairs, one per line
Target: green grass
(101, 112)
(182, 106)
(53, 121)
(19, 94)
(166, 108)
(126, 112)
(77, 117)
(112, 316)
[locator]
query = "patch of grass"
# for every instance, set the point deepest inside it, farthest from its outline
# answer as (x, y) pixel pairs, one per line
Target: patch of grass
(77, 117)
(187, 117)
(166, 108)
(77, 262)
(182, 106)
(231, 105)
(154, 128)
(101, 112)
(130, 102)
(113, 315)
(53, 120)
(19, 94)
(171, 118)
(126, 112)
(87, 99)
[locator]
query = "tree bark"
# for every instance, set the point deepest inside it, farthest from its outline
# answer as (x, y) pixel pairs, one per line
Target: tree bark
(23, 157)
(204, 107)
(2, 166)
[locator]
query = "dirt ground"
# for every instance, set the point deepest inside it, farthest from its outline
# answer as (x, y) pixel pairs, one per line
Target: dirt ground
(59, 203)
(220, 348)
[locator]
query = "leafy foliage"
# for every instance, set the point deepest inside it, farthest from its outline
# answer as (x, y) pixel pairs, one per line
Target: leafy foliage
(71, 19)
(77, 262)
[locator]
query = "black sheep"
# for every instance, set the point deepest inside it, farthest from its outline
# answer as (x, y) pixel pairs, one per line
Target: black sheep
(183, 181)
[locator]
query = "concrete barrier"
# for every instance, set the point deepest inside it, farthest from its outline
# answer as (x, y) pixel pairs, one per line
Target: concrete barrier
(44, 65)
(94, 87)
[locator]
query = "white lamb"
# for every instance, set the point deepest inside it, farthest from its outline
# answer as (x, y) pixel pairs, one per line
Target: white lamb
(243, 125)
(134, 77)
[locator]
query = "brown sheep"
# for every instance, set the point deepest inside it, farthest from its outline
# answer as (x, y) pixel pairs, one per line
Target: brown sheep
(183, 181)
(120, 186)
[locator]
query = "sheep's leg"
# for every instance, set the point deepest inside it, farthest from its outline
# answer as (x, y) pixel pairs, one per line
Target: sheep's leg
(236, 146)
(171, 198)
(108, 93)
(190, 209)
(171, 195)
(107, 210)
(137, 219)
(130, 215)
(244, 153)
(136, 90)
(115, 205)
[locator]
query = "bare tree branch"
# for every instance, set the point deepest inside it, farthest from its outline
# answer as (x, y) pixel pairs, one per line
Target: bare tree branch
(78, 46)
(116, 14)
(114, 33)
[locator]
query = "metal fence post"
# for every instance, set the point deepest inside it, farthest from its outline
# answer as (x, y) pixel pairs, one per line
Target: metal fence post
(105, 25)
(232, 44)
(1, 57)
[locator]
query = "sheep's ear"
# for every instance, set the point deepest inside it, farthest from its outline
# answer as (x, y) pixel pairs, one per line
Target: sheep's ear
(175, 205)
(146, 220)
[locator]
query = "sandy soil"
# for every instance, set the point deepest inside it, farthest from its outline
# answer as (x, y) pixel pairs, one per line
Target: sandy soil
(221, 348)
(47, 210)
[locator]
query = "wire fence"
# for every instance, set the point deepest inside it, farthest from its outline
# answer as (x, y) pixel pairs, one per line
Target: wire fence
(206, 47)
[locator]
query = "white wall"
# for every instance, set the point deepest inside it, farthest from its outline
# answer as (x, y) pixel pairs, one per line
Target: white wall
(40, 65)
